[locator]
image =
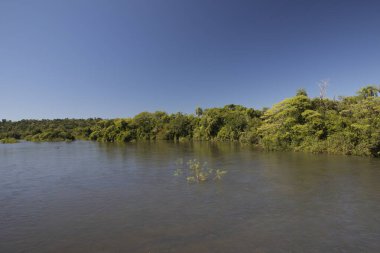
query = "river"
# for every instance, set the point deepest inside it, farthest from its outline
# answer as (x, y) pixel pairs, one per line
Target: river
(93, 197)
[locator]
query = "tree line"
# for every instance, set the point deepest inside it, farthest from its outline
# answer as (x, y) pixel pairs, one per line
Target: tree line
(347, 125)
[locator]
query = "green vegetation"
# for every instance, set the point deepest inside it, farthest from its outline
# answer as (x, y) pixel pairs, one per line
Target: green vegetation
(196, 172)
(47, 130)
(8, 140)
(348, 125)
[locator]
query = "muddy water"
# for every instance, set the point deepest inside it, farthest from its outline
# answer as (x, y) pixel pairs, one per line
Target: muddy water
(91, 197)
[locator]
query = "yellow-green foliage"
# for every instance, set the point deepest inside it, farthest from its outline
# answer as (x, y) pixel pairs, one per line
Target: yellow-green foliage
(349, 125)
(8, 141)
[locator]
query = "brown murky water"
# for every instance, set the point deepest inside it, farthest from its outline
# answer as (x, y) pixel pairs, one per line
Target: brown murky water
(91, 197)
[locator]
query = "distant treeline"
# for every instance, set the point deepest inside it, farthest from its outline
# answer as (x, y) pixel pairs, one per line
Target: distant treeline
(348, 125)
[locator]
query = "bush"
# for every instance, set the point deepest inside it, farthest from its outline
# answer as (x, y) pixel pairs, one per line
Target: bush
(197, 172)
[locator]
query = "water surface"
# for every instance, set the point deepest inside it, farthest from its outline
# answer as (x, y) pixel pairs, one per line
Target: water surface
(92, 197)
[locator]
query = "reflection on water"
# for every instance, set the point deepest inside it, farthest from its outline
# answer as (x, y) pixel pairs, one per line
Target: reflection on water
(91, 197)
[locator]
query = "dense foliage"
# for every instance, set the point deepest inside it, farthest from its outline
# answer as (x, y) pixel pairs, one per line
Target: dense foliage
(349, 125)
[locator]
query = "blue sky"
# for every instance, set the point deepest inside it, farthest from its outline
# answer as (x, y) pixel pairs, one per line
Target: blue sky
(81, 59)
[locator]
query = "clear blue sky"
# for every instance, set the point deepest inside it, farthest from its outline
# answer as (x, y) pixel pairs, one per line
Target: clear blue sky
(81, 59)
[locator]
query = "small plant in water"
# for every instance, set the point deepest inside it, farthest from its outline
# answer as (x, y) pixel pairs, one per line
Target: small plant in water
(197, 172)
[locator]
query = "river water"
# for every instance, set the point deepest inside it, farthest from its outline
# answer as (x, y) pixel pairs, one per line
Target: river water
(93, 197)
